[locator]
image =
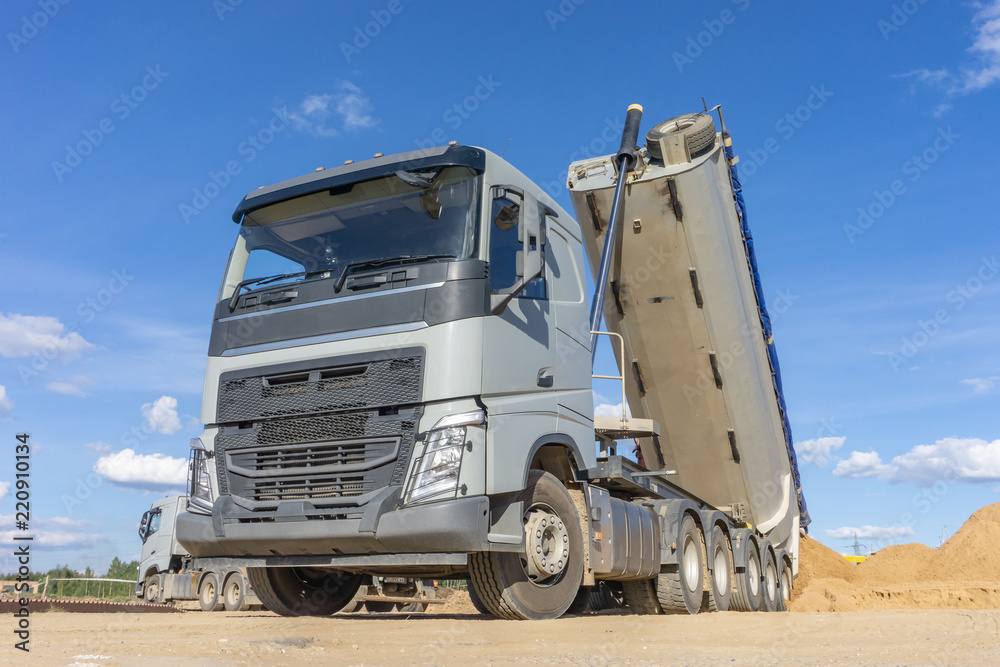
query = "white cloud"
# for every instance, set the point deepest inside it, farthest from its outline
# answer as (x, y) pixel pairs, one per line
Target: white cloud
(609, 410)
(817, 452)
(152, 472)
(4, 489)
(56, 539)
(861, 464)
(68, 537)
(161, 415)
(982, 385)
(27, 335)
(984, 71)
(67, 388)
(883, 533)
(101, 448)
(949, 460)
(327, 115)
(6, 405)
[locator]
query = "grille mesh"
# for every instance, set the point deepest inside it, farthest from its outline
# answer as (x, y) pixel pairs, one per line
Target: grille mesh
(378, 383)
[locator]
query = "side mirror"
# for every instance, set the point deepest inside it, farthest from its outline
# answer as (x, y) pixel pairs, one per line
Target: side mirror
(529, 260)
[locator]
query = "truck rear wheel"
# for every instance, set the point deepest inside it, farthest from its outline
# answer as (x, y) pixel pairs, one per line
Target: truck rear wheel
(542, 582)
(721, 589)
(679, 588)
(208, 592)
(772, 589)
(303, 591)
(379, 606)
(748, 582)
(640, 597)
(234, 593)
(423, 593)
(785, 582)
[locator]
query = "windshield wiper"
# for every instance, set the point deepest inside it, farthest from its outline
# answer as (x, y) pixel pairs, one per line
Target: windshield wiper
(384, 261)
(267, 280)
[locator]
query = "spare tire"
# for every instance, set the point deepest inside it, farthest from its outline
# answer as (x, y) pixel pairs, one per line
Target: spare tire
(696, 129)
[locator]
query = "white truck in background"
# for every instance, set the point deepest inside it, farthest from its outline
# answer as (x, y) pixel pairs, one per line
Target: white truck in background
(167, 573)
(400, 384)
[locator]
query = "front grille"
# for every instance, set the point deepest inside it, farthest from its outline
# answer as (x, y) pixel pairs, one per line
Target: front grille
(336, 388)
(310, 488)
(330, 435)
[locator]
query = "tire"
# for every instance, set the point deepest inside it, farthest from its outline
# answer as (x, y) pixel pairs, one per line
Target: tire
(356, 603)
(151, 589)
(680, 587)
(720, 589)
(476, 602)
(697, 129)
(749, 591)
(640, 597)
(208, 592)
(513, 585)
(295, 591)
(379, 606)
(234, 593)
(771, 588)
(785, 585)
(419, 607)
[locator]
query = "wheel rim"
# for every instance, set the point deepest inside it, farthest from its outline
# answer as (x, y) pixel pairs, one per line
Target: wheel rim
(153, 592)
(233, 593)
(209, 591)
(691, 565)
(546, 545)
(721, 570)
(753, 573)
(786, 586)
(771, 581)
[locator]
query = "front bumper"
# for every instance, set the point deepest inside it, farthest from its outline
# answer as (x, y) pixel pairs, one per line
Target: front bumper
(450, 526)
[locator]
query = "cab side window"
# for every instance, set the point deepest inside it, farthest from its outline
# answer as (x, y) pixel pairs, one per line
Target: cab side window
(504, 246)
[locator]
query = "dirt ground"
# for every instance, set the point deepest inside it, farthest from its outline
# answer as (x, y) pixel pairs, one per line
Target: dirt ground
(880, 637)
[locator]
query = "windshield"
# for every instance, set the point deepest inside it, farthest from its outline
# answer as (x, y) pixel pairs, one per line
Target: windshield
(428, 213)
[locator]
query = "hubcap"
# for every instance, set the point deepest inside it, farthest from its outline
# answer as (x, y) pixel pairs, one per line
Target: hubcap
(691, 565)
(721, 570)
(753, 572)
(546, 543)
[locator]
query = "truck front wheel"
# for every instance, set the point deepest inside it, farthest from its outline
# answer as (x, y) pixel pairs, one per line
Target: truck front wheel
(151, 588)
(541, 582)
(303, 591)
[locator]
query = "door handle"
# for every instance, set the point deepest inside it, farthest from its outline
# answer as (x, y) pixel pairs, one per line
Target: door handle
(546, 377)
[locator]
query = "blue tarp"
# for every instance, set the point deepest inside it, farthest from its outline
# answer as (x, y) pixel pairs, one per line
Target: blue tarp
(765, 324)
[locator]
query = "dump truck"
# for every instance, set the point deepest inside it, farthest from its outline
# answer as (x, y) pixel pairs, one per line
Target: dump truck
(400, 383)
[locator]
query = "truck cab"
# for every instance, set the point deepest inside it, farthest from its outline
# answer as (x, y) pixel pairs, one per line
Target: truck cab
(161, 551)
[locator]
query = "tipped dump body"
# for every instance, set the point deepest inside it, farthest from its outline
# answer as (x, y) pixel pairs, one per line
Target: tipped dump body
(683, 293)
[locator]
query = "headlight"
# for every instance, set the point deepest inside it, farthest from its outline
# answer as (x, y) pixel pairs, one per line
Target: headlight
(437, 470)
(199, 484)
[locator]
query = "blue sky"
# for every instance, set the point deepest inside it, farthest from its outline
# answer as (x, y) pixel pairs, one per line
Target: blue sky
(868, 158)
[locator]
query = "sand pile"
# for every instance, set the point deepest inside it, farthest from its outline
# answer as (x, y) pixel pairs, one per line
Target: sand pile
(964, 573)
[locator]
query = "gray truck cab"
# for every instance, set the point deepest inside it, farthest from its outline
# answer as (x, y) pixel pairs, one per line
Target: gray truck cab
(395, 344)
(160, 548)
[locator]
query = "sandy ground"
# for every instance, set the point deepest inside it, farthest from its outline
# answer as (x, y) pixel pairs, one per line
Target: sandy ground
(880, 637)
